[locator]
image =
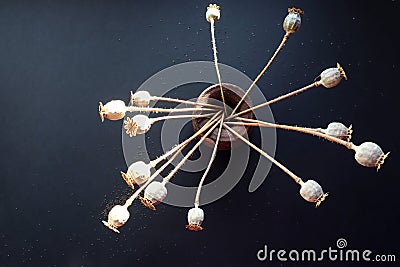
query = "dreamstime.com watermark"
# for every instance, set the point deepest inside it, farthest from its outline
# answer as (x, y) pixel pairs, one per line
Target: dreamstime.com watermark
(338, 253)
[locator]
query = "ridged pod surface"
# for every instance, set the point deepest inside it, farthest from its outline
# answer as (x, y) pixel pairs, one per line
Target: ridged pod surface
(369, 154)
(113, 110)
(141, 98)
(139, 172)
(292, 21)
(155, 192)
(339, 130)
(195, 216)
(332, 76)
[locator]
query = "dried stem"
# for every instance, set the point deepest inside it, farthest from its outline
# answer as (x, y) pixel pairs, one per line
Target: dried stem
(282, 44)
(216, 61)
(167, 99)
(305, 88)
(265, 154)
(197, 199)
(316, 132)
(175, 170)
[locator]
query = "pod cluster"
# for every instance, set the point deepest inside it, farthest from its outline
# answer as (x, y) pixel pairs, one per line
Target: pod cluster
(367, 154)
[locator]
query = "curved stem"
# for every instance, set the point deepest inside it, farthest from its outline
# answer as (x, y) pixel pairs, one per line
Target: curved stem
(172, 173)
(281, 45)
(197, 199)
(155, 162)
(316, 132)
(305, 88)
(265, 154)
(216, 61)
(167, 99)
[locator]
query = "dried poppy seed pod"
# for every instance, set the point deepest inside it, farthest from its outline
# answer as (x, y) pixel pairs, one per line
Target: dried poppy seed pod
(369, 154)
(140, 98)
(292, 21)
(138, 124)
(312, 192)
(117, 217)
(331, 77)
(154, 193)
(338, 130)
(195, 217)
(138, 173)
(213, 13)
(113, 110)
(143, 122)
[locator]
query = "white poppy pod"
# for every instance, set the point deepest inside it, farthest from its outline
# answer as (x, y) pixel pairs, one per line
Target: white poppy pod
(369, 154)
(113, 110)
(155, 192)
(332, 76)
(213, 12)
(195, 216)
(141, 98)
(139, 172)
(143, 123)
(312, 192)
(117, 217)
(339, 130)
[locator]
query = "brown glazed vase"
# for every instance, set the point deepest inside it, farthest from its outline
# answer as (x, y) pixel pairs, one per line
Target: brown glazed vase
(232, 95)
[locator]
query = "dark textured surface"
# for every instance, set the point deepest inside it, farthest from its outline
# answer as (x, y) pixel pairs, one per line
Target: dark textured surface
(60, 165)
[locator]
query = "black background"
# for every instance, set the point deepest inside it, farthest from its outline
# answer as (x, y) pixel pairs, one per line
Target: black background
(60, 165)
